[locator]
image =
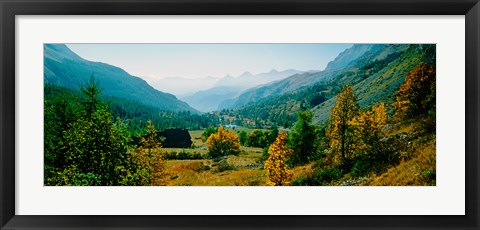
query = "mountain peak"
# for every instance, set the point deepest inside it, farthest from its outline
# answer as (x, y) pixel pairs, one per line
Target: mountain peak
(246, 74)
(60, 51)
(348, 55)
(273, 71)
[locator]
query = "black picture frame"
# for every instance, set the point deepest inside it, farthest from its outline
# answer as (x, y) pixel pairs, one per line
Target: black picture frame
(10, 8)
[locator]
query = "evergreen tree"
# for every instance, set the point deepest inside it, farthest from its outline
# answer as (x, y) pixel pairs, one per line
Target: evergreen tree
(91, 97)
(94, 147)
(272, 135)
(303, 138)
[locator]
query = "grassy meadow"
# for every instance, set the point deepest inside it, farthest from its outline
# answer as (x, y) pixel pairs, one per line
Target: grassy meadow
(416, 168)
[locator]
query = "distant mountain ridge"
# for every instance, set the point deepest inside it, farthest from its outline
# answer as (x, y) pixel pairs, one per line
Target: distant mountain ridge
(375, 76)
(248, 80)
(65, 68)
(208, 100)
(189, 86)
(299, 80)
(230, 87)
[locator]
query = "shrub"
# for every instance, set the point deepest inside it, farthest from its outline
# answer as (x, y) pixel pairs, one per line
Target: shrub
(222, 166)
(184, 155)
(319, 177)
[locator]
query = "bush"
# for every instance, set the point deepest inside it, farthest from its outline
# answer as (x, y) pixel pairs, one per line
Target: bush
(361, 168)
(184, 155)
(197, 166)
(222, 166)
(429, 175)
(319, 177)
(87, 179)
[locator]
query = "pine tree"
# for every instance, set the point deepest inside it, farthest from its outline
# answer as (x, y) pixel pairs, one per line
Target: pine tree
(304, 138)
(91, 97)
(96, 147)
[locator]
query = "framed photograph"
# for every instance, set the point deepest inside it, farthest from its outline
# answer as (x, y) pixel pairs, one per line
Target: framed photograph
(248, 115)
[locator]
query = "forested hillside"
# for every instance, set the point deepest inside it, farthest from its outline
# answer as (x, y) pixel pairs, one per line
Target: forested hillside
(63, 67)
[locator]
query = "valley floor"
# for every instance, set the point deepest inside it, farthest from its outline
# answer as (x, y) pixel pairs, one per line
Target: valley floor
(417, 167)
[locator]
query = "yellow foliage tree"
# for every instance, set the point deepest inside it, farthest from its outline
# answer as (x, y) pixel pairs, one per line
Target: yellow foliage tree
(278, 171)
(223, 143)
(341, 131)
(149, 159)
(368, 127)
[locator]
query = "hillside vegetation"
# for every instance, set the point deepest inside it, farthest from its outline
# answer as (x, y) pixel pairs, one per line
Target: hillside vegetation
(368, 119)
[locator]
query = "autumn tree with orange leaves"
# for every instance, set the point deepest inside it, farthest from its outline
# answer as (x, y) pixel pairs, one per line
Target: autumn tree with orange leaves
(278, 170)
(417, 95)
(223, 143)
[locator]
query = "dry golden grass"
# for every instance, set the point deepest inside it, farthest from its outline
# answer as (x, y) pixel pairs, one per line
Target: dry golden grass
(244, 177)
(202, 173)
(243, 170)
(403, 128)
(417, 171)
(303, 170)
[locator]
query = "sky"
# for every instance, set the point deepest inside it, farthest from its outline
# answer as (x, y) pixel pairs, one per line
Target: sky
(192, 61)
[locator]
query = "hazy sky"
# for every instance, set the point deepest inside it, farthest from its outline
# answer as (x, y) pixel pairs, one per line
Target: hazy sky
(154, 61)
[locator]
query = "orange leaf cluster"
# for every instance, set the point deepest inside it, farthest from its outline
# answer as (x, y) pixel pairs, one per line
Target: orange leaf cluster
(223, 143)
(278, 170)
(417, 95)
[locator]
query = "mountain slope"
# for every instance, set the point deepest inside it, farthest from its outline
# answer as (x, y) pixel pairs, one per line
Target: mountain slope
(297, 81)
(376, 76)
(349, 55)
(378, 85)
(65, 68)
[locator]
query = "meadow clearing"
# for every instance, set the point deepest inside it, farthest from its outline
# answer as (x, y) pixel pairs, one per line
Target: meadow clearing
(246, 169)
